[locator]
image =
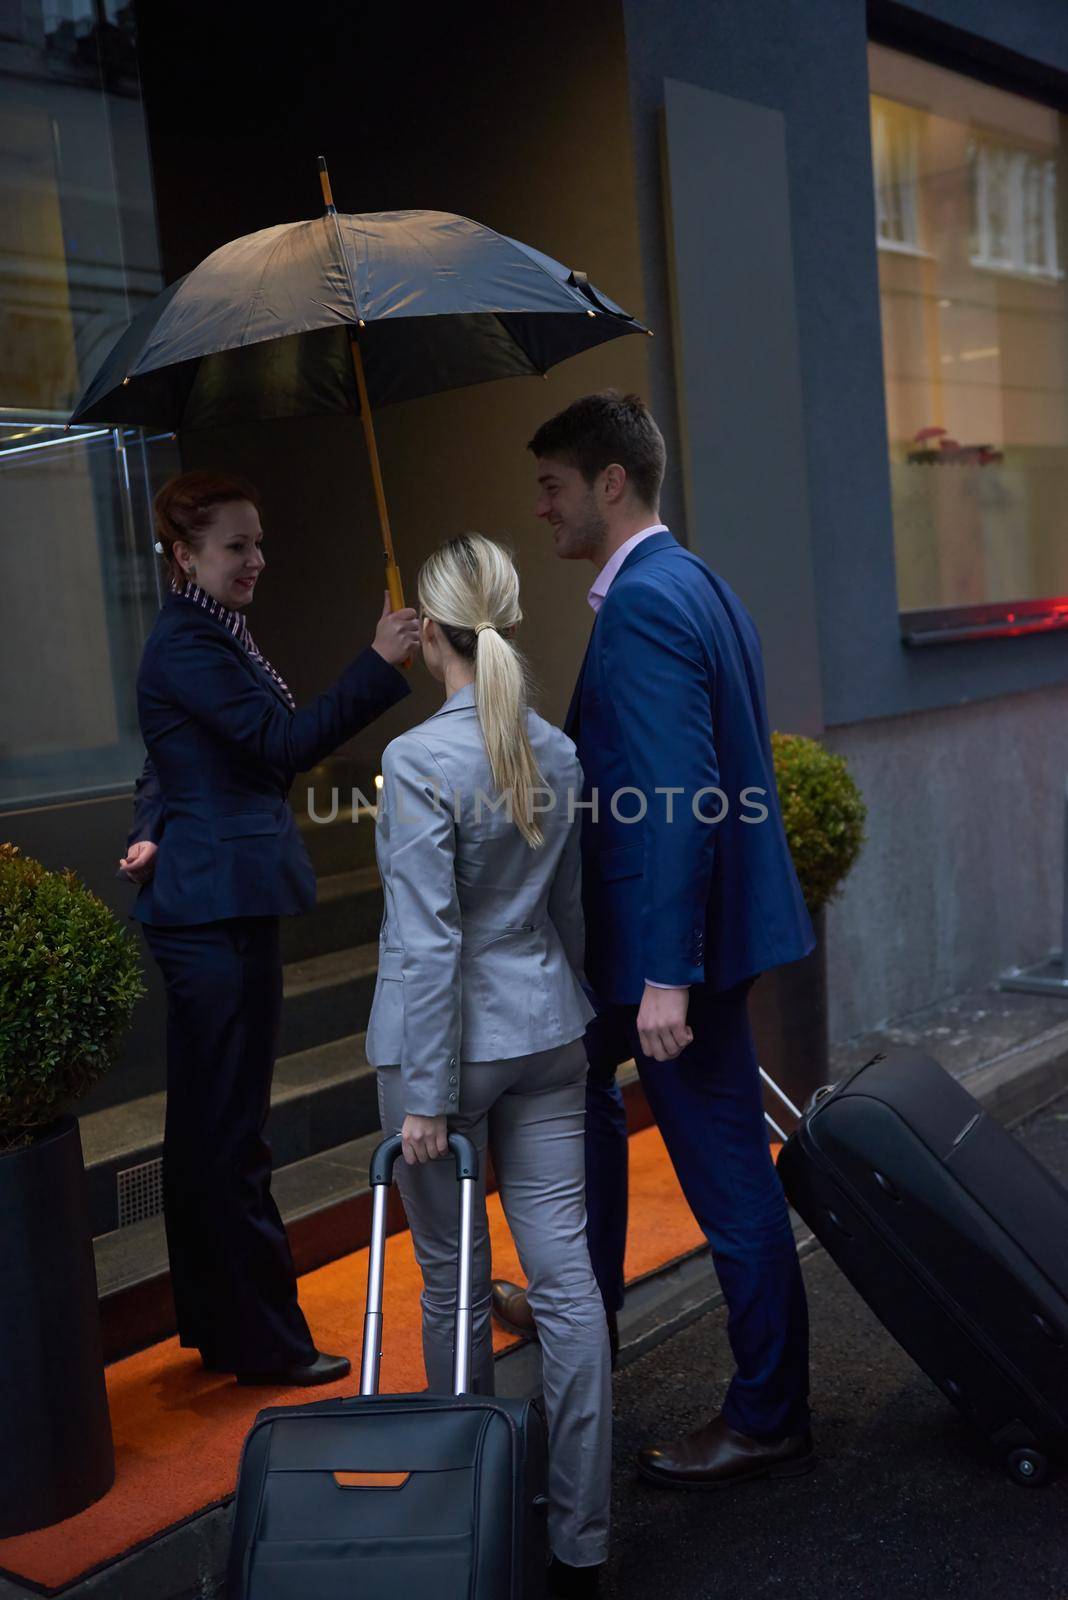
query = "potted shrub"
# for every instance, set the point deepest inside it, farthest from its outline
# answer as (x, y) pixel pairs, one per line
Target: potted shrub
(824, 815)
(69, 978)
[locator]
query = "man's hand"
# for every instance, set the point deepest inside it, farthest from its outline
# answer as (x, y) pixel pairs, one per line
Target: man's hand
(398, 634)
(662, 1026)
(139, 863)
(423, 1139)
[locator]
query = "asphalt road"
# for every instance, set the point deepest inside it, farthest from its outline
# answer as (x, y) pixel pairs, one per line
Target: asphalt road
(904, 1503)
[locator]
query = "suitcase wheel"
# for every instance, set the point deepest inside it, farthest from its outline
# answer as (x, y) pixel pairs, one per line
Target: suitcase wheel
(1027, 1467)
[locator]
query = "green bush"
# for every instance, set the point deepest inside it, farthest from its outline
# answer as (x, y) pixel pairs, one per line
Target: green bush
(823, 813)
(69, 979)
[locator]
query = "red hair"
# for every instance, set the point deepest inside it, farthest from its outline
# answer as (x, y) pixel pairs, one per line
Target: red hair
(186, 505)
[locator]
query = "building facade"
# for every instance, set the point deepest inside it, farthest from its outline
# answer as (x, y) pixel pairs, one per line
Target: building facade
(846, 226)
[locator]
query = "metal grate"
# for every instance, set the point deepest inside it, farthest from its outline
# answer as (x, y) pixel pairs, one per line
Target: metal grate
(140, 1192)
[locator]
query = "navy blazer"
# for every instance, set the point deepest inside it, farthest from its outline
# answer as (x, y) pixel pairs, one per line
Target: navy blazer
(223, 748)
(671, 696)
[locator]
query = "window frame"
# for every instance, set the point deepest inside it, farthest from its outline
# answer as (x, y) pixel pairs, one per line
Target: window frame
(941, 44)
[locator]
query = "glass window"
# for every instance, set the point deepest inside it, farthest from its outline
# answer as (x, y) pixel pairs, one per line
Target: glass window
(895, 133)
(970, 192)
(78, 258)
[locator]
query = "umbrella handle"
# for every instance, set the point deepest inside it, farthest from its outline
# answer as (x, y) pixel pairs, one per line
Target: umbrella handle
(396, 595)
(394, 584)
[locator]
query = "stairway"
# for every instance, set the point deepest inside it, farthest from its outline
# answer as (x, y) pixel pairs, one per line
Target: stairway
(323, 1123)
(324, 1110)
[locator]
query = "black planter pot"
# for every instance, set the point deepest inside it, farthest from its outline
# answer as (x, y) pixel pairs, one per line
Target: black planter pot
(56, 1454)
(788, 1015)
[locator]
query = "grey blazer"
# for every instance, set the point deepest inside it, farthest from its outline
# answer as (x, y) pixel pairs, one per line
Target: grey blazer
(482, 944)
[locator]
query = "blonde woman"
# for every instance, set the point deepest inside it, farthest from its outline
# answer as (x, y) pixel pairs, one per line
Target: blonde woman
(479, 1014)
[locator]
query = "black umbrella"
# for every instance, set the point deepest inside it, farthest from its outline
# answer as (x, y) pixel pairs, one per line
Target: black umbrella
(347, 313)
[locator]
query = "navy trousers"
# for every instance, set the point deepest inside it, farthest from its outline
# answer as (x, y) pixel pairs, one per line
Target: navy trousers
(235, 1291)
(708, 1106)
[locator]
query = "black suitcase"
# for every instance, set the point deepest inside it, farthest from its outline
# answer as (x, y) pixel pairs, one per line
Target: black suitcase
(956, 1238)
(381, 1497)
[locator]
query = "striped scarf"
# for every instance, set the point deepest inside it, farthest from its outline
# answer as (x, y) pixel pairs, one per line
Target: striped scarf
(235, 623)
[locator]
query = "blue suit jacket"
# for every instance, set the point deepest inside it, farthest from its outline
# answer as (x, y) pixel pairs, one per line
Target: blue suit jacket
(223, 749)
(671, 695)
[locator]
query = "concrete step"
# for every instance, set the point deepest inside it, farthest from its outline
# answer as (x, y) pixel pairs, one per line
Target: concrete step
(335, 810)
(320, 1098)
(348, 912)
(323, 1200)
(340, 845)
(327, 997)
(336, 776)
(325, 1203)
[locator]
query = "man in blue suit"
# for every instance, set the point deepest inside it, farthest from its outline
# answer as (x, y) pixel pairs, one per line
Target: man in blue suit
(689, 893)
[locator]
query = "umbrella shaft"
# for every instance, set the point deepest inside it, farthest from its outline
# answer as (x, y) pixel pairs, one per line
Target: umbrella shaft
(393, 577)
(372, 448)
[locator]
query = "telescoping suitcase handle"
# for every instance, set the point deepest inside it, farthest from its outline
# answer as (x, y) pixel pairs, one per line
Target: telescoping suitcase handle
(787, 1102)
(814, 1099)
(381, 1176)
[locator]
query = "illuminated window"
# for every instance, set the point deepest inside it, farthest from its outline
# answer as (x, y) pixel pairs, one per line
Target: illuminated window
(970, 200)
(1014, 201)
(895, 146)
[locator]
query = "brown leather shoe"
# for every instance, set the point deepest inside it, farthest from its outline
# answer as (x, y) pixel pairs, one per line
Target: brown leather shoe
(716, 1457)
(512, 1310)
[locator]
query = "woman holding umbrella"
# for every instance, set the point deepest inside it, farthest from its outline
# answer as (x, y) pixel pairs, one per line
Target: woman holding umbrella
(217, 852)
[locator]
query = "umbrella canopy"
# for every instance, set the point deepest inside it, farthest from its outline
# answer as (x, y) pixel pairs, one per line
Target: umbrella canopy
(261, 328)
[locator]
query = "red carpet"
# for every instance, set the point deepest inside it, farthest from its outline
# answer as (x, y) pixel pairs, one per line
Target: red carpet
(178, 1430)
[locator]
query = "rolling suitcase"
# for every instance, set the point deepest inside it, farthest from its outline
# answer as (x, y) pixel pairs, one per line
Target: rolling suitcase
(387, 1495)
(956, 1238)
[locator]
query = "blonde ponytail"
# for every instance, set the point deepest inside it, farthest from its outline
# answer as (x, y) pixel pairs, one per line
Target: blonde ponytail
(471, 590)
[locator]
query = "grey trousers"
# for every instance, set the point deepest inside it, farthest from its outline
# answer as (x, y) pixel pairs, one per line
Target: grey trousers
(530, 1111)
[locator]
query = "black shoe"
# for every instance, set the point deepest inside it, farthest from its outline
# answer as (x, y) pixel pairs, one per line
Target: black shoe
(321, 1369)
(572, 1583)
